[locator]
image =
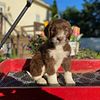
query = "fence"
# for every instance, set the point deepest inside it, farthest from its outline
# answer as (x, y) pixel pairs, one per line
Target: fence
(91, 43)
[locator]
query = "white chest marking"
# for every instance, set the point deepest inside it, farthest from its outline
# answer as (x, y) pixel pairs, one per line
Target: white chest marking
(58, 54)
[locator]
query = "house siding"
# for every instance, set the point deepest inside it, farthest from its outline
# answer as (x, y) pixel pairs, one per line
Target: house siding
(12, 9)
(16, 6)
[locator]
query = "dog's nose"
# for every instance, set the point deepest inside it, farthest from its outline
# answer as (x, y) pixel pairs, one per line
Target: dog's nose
(59, 38)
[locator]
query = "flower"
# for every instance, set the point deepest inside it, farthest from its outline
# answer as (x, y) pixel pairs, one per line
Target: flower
(76, 31)
(76, 36)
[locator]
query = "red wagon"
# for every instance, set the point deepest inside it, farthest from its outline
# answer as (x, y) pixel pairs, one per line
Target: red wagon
(15, 83)
(20, 91)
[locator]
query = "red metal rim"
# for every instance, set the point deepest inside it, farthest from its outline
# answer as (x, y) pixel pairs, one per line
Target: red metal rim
(78, 66)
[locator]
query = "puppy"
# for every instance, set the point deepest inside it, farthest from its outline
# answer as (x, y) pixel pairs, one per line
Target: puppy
(55, 52)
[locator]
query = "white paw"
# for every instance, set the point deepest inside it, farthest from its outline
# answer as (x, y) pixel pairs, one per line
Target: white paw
(70, 82)
(68, 78)
(41, 81)
(52, 80)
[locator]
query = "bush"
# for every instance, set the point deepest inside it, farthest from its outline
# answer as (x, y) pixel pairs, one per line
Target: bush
(1, 59)
(35, 44)
(87, 54)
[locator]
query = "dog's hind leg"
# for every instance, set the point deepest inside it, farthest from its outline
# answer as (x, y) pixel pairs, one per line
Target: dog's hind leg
(38, 78)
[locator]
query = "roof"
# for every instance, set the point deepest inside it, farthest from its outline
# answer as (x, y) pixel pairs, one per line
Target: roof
(42, 3)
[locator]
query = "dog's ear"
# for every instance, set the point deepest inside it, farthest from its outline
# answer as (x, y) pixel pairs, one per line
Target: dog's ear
(47, 31)
(69, 33)
(50, 30)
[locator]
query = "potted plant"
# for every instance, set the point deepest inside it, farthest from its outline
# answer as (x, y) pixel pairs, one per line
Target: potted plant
(74, 40)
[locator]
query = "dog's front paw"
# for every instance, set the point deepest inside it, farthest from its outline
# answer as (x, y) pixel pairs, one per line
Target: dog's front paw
(52, 80)
(68, 79)
(41, 81)
(54, 85)
(70, 83)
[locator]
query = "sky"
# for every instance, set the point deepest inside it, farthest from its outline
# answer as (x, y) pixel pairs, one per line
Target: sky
(63, 4)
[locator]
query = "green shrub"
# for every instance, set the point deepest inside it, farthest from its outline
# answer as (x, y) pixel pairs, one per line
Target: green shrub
(87, 54)
(35, 44)
(1, 59)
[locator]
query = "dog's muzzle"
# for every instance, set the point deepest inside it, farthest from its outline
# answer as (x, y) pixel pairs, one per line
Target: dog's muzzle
(59, 38)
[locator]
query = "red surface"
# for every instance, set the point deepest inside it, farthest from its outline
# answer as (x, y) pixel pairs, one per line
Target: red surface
(85, 65)
(13, 65)
(75, 93)
(78, 66)
(50, 93)
(64, 93)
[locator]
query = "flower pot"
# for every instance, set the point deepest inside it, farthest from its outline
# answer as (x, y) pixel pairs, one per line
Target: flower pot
(74, 48)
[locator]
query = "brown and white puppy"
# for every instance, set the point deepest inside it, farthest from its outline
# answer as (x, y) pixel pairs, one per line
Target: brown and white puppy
(53, 54)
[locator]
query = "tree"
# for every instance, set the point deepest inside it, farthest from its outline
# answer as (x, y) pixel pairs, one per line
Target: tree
(88, 19)
(71, 14)
(54, 10)
(91, 16)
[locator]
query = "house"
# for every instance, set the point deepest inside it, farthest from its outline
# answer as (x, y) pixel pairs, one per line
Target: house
(39, 12)
(9, 11)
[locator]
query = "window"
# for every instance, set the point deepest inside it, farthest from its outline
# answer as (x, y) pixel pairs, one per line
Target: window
(37, 18)
(48, 15)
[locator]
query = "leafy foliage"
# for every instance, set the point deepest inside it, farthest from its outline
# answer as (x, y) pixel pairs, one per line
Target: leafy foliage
(87, 54)
(91, 17)
(54, 10)
(35, 44)
(71, 14)
(1, 59)
(88, 19)
(74, 38)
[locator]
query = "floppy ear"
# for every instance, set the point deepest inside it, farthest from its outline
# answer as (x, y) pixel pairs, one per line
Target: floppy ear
(50, 30)
(46, 31)
(68, 35)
